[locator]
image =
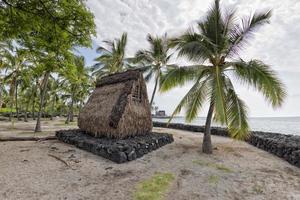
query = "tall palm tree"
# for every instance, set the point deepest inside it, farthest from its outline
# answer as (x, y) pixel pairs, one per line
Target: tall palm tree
(54, 87)
(216, 43)
(154, 59)
(16, 62)
(76, 84)
(5, 49)
(112, 59)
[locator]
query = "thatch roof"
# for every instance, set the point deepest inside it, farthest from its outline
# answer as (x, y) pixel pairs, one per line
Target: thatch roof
(119, 77)
(113, 110)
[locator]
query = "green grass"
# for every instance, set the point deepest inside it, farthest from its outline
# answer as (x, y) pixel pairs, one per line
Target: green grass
(222, 168)
(200, 162)
(7, 110)
(213, 179)
(258, 189)
(217, 166)
(155, 187)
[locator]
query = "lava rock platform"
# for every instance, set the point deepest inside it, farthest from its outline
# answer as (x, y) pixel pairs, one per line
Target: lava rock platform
(116, 150)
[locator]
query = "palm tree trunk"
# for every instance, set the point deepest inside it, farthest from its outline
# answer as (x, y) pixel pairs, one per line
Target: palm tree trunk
(60, 111)
(68, 117)
(71, 109)
(206, 145)
(16, 98)
(11, 108)
(26, 110)
(154, 90)
(33, 110)
(80, 106)
(44, 112)
(52, 108)
(11, 94)
(43, 93)
(1, 91)
(34, 97)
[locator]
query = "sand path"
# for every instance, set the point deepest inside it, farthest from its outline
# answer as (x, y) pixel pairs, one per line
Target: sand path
(236, 170)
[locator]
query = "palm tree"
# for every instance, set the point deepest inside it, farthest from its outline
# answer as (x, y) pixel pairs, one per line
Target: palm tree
(112, 59)
(15, 60)
(5, 48)
(154, 60)
(54, 87)
(216, 43)
(76, 84)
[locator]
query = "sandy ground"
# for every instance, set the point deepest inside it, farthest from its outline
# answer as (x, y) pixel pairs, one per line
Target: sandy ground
(236, 170)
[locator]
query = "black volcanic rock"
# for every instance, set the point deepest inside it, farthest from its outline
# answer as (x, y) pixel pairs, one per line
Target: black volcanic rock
(117, 150)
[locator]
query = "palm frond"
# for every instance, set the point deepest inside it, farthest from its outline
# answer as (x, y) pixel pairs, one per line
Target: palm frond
(178, 76)
(218, 96)
(240, 34)
(198, 97)
(237, 115)
(144, 56)
(263, 78)
(214, 27)
(192, 45)
(229, 17)
(102, 50)
(113, 60)
(188, 99)
(149, 75)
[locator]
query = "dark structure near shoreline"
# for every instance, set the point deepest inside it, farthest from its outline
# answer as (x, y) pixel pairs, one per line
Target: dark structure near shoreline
(118, 107)
(284, 146)
(116, 122)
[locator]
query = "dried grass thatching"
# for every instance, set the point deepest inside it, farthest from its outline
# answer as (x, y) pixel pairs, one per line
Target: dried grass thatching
(118, 107)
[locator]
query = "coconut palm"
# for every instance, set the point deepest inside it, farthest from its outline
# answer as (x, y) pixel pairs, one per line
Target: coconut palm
(5, 49)
(154, 60)
(76, 84)
(15, 61)
(112, 59)
(214, 46)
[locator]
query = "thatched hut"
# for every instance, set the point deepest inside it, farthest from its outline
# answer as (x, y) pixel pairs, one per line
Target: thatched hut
(118, 107)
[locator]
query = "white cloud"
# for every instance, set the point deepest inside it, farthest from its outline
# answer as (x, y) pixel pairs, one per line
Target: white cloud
(276, 44)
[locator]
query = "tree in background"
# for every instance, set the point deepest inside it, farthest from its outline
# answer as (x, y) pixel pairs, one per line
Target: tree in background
(217, 42)
(49, 30)
(5, 47)
(154, 60)
(16, 67)
(112, 59)
(76, 84)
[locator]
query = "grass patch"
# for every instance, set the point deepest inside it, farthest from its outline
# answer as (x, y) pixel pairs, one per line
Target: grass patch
(258, 189)
(217, 166)
(223, 168)
(213, 179)
(200, 162)
(7, 110)
(155, 187)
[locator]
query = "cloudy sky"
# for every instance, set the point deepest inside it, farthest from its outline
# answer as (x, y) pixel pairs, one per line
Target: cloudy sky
(277, 44)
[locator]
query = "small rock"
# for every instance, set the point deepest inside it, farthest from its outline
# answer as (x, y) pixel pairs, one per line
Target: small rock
(53, 148)
(107, 168)
(23, 150)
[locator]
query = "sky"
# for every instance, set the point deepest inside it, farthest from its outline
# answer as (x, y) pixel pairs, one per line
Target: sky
(277, 43)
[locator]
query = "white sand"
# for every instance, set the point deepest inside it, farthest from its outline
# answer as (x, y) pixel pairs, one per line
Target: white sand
(28, 172)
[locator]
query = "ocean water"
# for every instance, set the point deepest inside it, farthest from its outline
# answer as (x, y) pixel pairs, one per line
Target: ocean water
(284, 125)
